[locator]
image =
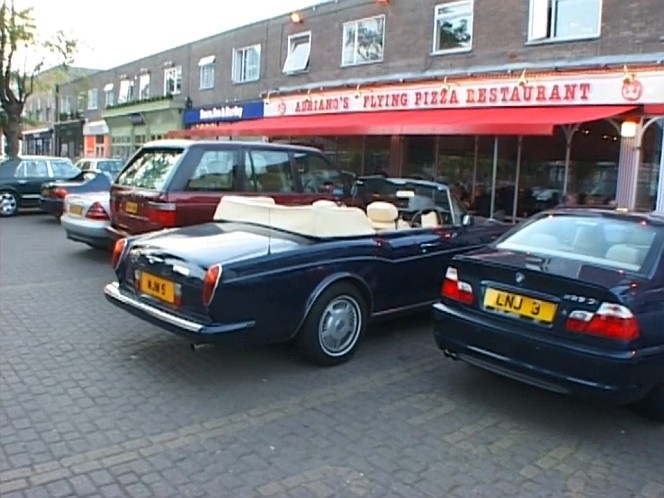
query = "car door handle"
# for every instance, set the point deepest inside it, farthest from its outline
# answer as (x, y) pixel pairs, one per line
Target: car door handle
(22, 182)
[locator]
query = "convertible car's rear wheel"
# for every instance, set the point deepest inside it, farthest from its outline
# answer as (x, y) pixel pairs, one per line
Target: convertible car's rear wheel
(334, 326)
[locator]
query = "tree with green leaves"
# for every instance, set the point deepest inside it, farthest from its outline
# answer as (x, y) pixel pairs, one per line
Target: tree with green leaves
(23, 55)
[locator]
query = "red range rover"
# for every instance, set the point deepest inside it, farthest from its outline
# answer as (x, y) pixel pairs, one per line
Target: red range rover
(173, 183)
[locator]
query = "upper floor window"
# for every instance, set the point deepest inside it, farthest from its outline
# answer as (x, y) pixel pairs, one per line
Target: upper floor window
(206, 66)
(246, 64)
(299, 50)
(109, 98)
(81, 101)
(92, 99)
(173, 80)
(453, 27)
(564, 19)
(363, 41)
(126, 91)
(144, 86)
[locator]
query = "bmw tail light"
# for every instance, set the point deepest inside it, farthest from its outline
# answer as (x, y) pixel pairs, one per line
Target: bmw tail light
(97, 212)
(456, 289)
(60, 193)
(118, 249)
(612, 321)
(210, 282)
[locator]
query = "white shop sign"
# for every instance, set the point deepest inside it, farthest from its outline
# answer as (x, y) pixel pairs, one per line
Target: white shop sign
(611, 89)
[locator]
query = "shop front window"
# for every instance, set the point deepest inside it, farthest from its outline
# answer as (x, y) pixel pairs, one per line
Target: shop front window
(350, 154)
(648, 176)
(377, 154)
(419, 157)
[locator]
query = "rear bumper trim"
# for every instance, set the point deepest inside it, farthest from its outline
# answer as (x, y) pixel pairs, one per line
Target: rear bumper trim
(112, 292)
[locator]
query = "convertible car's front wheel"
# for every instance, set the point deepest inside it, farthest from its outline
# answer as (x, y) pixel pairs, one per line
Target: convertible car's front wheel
(334, 326)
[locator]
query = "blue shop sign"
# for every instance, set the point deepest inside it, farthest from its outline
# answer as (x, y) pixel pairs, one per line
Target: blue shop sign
(224, 113)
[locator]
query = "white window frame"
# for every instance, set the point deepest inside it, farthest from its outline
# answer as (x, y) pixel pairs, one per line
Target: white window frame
(541, 25)
(126, 91)
(206, 72)
(240, 72)
(144, 86)
(93, 97)
(173, 74)
(109, 96)
(295, 41)
(357, 22)
(437, 17)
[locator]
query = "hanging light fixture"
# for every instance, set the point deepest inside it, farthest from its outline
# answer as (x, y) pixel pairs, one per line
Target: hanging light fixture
(628, 128)
(296, 18)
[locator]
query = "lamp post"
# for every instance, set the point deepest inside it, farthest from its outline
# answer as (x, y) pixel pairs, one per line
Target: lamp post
(56, 138)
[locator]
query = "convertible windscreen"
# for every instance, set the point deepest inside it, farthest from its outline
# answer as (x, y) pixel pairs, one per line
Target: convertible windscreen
(615, 243)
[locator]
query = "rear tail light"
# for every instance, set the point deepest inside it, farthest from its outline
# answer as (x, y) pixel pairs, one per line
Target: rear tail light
(456, 289)
(162, 213)
(612, 321)
(210, 282)
(97, 212)
(60, 193)
(118, 249)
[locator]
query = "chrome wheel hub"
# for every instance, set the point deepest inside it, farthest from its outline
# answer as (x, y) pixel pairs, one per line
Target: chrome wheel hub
(7, 203)
(340, 326)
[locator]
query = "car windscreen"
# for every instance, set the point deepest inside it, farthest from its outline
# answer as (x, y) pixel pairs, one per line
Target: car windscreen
(64, 169)
(405, 195)
(597, 240)
(112, 167)
(150, 168)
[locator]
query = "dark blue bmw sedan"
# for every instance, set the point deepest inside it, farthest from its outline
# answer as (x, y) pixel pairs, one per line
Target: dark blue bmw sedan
(571, 301)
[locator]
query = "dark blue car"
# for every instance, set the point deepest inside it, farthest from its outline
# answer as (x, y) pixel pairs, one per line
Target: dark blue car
(571, 301)
(266, 273)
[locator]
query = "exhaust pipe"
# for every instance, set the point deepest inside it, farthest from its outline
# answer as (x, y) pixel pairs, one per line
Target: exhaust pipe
(450, 354)
(196, 346)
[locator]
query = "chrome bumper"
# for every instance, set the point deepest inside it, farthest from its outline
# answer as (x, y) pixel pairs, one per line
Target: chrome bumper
(112, 292)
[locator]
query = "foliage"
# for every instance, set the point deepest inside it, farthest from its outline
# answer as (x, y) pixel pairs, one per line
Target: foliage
(131, 103)
(22, 56)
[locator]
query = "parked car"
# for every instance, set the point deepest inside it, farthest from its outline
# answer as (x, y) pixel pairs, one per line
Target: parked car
(112, 166)
(172, 183)
(569, 301)
(53, 193)
(86, 218)
(265, 273)
(21, 179)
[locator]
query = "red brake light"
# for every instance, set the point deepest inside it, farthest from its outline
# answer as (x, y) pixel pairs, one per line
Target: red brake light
(162, 213)
(60, 193)
(97, 212)
(118, 249)
(612, 321)
(210, 283)
(454, 288)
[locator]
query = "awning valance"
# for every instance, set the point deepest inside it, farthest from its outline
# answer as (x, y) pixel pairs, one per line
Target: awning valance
(478, 121)
(96, 128)
(204, 61)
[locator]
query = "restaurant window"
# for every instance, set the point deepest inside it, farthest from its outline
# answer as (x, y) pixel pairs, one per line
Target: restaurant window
(363, 41)
(246, 64)
(299, 50)
(206, 68)
(173, 80)
(453, 27)
(350, 154)
(144, 86)
(649, 169)
(377, 154)
(554, 20)
(419, 161)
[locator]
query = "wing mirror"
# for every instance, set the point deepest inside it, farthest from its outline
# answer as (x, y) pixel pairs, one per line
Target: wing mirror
(467, 220)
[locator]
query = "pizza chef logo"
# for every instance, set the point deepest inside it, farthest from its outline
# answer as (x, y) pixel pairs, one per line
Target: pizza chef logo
(632, 89)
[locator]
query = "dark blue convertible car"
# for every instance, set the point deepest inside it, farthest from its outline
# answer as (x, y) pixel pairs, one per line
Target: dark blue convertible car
(571, 301)
(265, 273)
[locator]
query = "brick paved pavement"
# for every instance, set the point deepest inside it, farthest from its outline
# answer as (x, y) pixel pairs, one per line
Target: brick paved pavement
(96, 403)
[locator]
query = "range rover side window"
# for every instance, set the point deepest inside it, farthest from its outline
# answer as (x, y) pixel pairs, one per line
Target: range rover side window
(272, 171)
(217, 171)
(316, 174)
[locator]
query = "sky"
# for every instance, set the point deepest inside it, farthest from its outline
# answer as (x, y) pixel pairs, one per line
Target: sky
(119, 31)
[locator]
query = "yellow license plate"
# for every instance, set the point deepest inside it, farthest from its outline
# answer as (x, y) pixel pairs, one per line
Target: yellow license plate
(157, 287)
(76, 209)
(518, 305)
(131, 207)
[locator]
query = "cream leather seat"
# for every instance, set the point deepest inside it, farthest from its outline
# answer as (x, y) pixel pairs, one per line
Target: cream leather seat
(383, 215)
(430, 220)
(623, 253)
(324, 203)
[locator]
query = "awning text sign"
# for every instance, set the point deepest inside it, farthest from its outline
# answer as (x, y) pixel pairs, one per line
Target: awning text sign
(612, 89)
